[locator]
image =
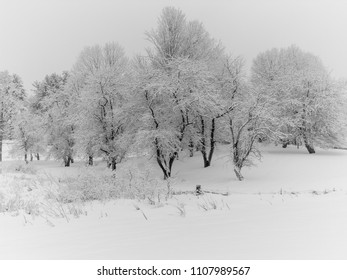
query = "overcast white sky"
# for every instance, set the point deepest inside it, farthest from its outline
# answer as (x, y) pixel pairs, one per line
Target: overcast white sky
(39, 37)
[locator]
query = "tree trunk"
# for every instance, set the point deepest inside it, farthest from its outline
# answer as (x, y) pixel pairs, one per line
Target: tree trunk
(31, 157)
(308, 146)
(90, 160)
(2, 126)
(238, 162)
(237, 171)
(0, 145)
(207, 158)
(166, 167)
(162, 162)
(191, 148)
(26, 158)
(171, 161)
(67, 161)
(38, 156)
(206, 161)
(204, 155)
(203, 143)
(212, 142)
(113, 163)
(165, 172)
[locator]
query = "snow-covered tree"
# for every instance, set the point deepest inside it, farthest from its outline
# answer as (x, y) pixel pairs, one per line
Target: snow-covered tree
(98, 82)
(175, 37)
(175, 107)
(184, 56)
(248, 124)
(156, 106)
(239, 115)
(227, 78)
(306, 102)
(12, 96)
(28, 135)
(52, 104)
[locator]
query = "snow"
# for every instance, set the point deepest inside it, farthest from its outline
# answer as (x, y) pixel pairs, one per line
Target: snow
(292, 205)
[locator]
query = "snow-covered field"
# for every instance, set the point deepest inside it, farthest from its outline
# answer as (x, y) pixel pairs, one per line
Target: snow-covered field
(292, 205)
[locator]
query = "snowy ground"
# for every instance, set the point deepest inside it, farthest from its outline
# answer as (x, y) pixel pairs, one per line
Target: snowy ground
(292, 205)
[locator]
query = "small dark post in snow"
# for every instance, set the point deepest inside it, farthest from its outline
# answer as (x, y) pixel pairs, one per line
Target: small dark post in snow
(198, 190)
(90, 160)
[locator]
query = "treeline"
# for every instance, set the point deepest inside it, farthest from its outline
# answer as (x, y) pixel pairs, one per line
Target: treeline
(184, 96)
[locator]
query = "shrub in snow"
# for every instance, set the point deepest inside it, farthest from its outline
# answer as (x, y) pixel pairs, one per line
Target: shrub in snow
(140, 184)
(128, 182)
(16, 195)
(181, 209)
(16, 204)
(22, 168)
(211, 203)
(87, 185)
